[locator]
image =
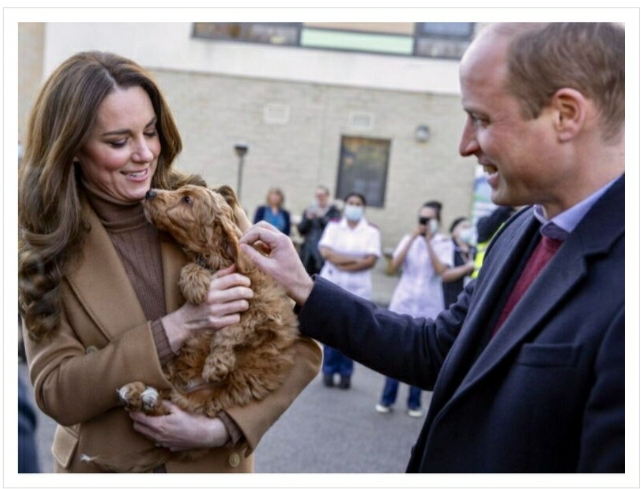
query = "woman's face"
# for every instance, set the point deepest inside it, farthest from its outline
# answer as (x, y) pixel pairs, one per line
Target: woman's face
(274, 199)
(121, 155)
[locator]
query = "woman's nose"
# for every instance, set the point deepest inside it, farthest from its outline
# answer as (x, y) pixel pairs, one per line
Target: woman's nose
(142, 152)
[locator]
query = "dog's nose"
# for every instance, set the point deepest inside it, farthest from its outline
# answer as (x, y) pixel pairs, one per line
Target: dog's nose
(150, 194)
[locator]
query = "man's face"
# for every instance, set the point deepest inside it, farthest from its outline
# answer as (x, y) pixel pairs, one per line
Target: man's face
(520, 157)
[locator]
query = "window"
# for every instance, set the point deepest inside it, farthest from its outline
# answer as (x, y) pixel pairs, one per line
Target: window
(463, 30)
(363, 168)
(442, 39)
(425, 39)
(265, 32)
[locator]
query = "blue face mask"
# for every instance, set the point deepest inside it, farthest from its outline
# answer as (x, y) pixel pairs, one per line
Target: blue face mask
(353, 213)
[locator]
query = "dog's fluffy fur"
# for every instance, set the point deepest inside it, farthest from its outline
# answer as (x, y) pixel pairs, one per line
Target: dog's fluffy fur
(213, 370)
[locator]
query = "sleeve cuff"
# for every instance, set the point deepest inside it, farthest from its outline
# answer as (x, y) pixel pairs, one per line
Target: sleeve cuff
(165, 352)
(236, 435)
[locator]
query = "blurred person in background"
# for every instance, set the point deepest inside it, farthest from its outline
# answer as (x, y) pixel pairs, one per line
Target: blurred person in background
(27, 424)
(350, 247)
(459, 274)
(486, 228)
(424, 255)
(273, 211)
(311, 227)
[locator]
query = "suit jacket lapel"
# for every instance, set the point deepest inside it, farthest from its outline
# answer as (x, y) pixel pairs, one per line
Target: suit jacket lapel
(564, 271)
(490, 287)
(594, 235)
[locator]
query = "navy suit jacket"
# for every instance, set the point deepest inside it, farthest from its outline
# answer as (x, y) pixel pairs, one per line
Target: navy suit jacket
(547, 393)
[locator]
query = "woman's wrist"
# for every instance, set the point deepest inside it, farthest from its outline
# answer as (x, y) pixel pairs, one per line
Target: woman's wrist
(218, 434)
(174, 329)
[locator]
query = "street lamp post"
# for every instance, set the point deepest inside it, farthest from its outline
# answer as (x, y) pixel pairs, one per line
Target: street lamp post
(241, 150)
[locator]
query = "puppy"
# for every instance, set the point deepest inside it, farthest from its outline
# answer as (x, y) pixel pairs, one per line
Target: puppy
(213, 370)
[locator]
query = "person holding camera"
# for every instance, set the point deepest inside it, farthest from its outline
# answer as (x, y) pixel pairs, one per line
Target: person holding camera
(423, 256)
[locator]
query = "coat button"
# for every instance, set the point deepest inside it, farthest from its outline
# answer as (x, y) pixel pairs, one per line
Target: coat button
(234, 460)
(91, 349)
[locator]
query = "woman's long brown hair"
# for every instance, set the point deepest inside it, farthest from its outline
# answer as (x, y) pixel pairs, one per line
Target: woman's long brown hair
(51, 226)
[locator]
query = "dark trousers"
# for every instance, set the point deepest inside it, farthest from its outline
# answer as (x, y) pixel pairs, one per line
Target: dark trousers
(390, 391)
(334, 362)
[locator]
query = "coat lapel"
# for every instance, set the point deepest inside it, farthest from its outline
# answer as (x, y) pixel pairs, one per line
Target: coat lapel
(594, 235)
(489, 288)
(101, 283)
(566, 269)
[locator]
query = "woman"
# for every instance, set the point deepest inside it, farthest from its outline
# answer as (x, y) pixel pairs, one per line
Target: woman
(456, 277)
(273, 211)
(350, 248)
(424, 256)
(98, 285)
(311, 227)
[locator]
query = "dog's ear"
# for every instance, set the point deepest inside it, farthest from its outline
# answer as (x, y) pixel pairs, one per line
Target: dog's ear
(242, 221)
(220, 227)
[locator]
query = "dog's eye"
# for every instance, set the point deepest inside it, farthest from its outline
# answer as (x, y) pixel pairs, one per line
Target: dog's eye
(187, 199)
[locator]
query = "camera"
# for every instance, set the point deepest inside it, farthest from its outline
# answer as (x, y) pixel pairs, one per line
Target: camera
(424, 220)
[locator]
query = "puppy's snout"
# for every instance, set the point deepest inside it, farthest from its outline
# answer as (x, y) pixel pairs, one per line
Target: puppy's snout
(150, 194)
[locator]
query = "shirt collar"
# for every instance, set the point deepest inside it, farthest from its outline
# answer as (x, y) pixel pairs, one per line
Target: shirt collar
(560, 226)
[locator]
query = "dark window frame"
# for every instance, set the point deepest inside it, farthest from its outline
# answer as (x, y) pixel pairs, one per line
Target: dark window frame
(343, 186)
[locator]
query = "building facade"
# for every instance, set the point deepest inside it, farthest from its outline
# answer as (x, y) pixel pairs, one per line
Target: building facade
(368, 107)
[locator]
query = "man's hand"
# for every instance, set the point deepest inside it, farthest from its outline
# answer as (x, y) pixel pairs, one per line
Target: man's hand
(278, 259)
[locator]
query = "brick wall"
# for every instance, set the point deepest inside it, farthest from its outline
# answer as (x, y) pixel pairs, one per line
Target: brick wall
(213, 112)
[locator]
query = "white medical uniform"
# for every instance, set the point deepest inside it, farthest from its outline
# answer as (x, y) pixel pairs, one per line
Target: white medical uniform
(419, 292)
(364, 239)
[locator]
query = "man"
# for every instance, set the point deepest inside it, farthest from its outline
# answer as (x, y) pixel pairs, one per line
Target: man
(527, 368)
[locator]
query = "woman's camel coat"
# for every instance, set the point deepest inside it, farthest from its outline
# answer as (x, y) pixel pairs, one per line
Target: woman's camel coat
(104, 342)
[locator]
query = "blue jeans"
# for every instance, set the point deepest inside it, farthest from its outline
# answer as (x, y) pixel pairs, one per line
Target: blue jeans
(334, 362)
(390, 390)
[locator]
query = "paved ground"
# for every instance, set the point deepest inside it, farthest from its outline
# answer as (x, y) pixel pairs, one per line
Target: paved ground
(325, 430)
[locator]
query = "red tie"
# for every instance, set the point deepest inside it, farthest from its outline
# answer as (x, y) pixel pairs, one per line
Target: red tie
(542, 254)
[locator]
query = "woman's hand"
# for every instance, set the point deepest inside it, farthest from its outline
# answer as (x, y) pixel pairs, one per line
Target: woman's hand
(228, 296)
(418, 231)
(180, 430)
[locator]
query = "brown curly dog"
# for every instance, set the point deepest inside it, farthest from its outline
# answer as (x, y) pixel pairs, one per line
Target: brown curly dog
(213, 370)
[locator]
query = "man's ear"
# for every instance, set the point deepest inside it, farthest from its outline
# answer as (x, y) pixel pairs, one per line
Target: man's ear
(570, 111)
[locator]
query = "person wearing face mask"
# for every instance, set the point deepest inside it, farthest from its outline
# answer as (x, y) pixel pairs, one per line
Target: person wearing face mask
(458, 276)
(423, 256)
(350, 247)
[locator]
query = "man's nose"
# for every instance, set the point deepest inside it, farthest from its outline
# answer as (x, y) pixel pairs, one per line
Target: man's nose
(468, 144)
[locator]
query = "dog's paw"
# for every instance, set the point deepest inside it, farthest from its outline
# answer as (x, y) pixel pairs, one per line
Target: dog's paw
(217, 367)
(130, 395)
(136, 396)
(194, 283)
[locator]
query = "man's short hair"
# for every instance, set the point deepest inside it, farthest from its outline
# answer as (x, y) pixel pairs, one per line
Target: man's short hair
(588, 57)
